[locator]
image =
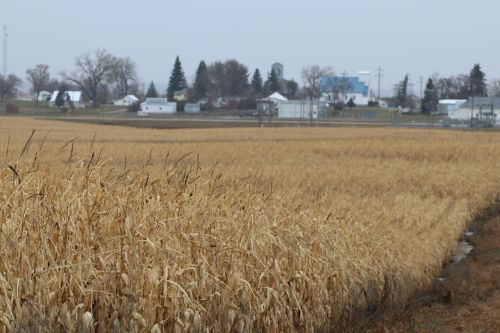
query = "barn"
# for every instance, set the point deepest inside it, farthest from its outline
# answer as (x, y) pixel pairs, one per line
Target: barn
(158, 105)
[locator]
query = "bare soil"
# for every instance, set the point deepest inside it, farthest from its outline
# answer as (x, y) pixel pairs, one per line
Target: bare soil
(466, 296)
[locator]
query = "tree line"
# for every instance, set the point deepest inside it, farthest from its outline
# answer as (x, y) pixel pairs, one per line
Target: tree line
(101, 77)
(460, 86)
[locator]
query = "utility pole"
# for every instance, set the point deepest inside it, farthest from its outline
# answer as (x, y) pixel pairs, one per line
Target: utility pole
(410, 85)
(379, 75)
(421, 86)
(5, 35)
(471, 103)
(343, 88)
(396, 87)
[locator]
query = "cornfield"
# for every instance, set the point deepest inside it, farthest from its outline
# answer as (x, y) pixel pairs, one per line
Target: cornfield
(111, 229)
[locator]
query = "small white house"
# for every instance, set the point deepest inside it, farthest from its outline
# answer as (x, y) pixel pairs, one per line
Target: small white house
(158, 105)
(43, 96)
(73, 98)
(127, 100)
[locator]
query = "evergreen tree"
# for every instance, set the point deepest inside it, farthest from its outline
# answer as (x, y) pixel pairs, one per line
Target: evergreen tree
(59, 102)
(350, 103)
(403, 92)
(257, 82)
(151, 93)
(430, 100)
(61, 95)
(177, 79)
(201, 81)
(291, 88)
(273, 82)
(478, 81)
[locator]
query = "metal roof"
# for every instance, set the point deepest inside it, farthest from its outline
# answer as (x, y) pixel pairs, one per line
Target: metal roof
(132, 97)
(156, 101)
(278, 97)
(353, 84)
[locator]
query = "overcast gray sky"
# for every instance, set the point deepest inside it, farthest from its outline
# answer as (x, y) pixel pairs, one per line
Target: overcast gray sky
(418, 37)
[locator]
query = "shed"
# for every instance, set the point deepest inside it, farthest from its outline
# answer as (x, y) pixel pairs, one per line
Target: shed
(158, 105)
(449, 105)
(192, 108)
(303, 109)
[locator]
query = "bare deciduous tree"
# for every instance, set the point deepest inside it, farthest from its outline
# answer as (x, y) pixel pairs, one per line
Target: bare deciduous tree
(124, 74)
(8, 86)
(494, 88)
(91, 70)
(311, 76)
(39, 77)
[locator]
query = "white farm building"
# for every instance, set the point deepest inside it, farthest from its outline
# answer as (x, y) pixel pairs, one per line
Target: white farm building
(71, 99)
(302, 109)
(297, 109)
(479, 108)
(346, 87)
(127, 100)
(449, 105)
(158, 105)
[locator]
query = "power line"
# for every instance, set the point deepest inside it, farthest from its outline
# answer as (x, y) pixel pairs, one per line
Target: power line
(410, 85)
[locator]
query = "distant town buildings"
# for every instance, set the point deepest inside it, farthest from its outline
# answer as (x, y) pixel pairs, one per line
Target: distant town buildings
(342, 88)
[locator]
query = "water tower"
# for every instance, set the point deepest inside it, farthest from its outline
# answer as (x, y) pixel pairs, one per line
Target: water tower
(278, 69)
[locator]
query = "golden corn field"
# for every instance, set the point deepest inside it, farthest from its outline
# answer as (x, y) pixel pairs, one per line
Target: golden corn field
(112, 229)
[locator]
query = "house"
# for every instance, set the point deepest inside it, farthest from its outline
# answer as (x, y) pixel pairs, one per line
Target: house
(158, 105)
(346, 87)
(127, 100)
(181, 95)
(43, 96)
(72, 99)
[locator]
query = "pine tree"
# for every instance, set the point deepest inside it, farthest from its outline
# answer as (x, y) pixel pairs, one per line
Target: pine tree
(257, 82)
(274, 83)
(403, 92)
(350, 103)
(201, 81)
(430, 100)
(61, 95)
(151, 93)
(59, 102)
(477, 80)
(292, 88)
(177, 79)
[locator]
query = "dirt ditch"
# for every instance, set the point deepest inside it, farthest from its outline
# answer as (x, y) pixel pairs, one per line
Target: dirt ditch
(466, 296)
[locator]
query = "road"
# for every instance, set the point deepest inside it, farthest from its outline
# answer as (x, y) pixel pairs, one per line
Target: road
(123, 118)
